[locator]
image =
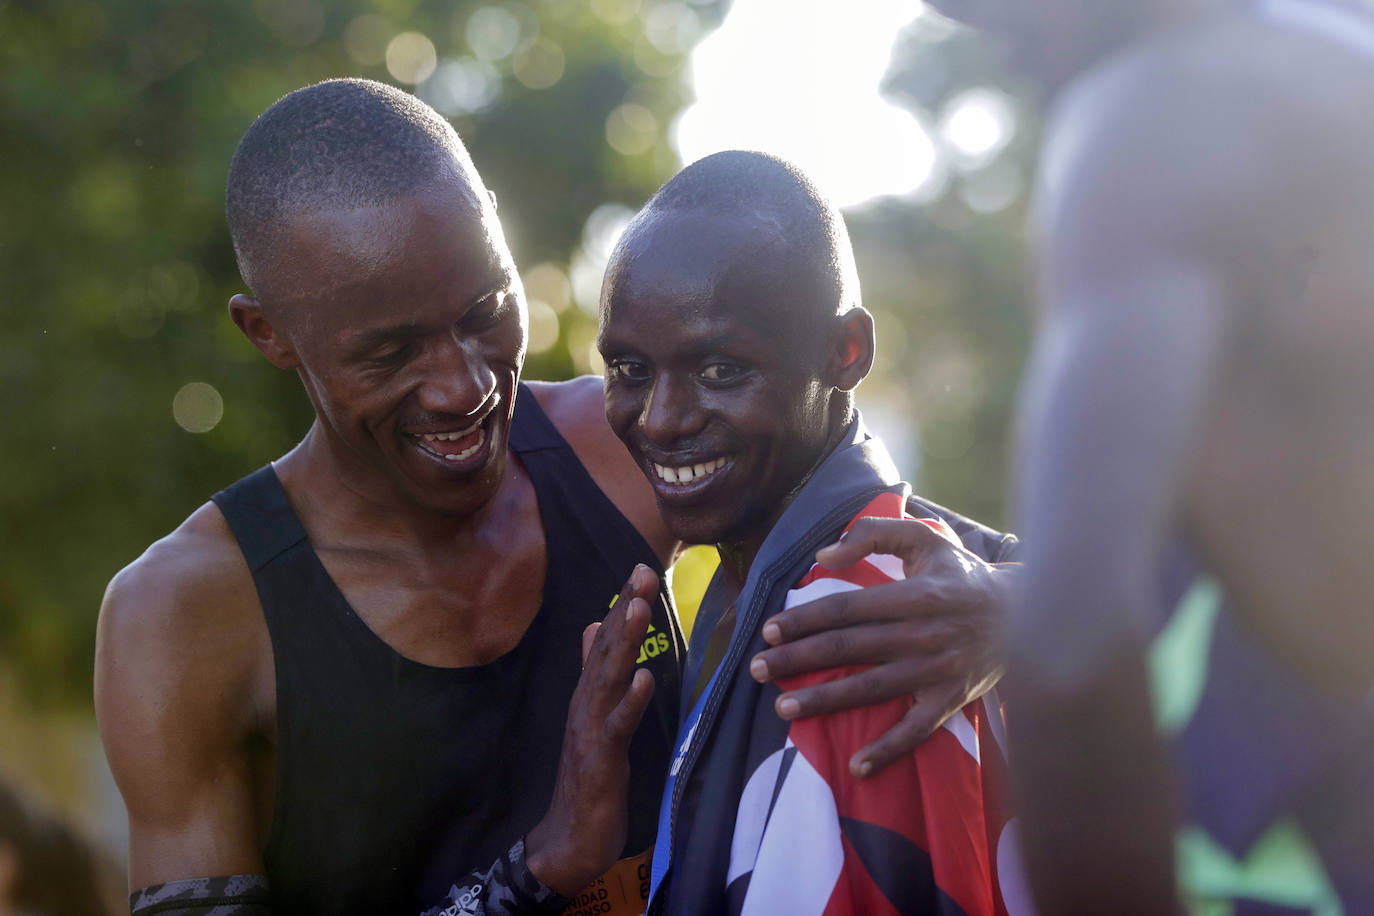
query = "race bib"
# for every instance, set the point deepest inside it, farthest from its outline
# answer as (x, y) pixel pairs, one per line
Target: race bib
(622, 891)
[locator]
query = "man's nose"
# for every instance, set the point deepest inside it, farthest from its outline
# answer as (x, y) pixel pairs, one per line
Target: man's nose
(456, 380)
(673, 410)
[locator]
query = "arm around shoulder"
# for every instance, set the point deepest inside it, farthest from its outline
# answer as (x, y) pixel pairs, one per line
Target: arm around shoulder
(179, 681)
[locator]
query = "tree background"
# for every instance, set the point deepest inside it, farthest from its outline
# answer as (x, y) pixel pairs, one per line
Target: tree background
(129, 397)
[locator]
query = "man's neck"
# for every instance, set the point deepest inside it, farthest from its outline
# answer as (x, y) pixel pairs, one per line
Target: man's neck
(737, 554)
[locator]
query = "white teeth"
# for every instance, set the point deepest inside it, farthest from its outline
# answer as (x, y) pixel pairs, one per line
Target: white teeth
(468, 452)
(450, 437)
(688, 473)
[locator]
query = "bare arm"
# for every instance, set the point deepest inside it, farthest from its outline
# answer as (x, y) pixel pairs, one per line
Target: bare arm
(1112, 406)
(177, 690)
(1112, 412)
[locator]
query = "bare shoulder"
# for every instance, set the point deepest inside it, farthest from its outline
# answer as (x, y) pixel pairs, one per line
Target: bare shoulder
(577, 410)
(1203, 148)
(181, 646)
(192, 585)
(183, 687)
(1210, 121)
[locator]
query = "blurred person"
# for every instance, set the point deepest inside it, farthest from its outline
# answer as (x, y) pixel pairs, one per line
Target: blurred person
(1199, 431)
(734, 337)
(46, 867)
(352, 677)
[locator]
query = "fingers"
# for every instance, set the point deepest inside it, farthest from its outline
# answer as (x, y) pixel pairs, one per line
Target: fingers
(642, 584)
(862, 688)
(920, 721)
(898, 600)
(588, 636)
(923, 640)
(624, 719)
(634, 626)
(903, 537)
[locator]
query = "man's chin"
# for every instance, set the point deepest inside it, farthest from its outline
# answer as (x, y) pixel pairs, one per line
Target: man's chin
(694, 528)
(455, 487)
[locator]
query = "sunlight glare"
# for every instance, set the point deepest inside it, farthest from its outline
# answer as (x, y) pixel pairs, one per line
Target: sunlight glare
(800, 78)
(977, 124)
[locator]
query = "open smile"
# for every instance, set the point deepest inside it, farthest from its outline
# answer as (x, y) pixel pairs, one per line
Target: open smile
(456, 447)
(685, 481)
(687, 473)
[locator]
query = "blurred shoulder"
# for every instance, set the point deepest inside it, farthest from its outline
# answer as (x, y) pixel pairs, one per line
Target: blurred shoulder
(1202, 144)
(1223, 98)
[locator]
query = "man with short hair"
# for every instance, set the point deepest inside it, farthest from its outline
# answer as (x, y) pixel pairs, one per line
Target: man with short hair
(1198, 433)
(354, 675)
(733, 337)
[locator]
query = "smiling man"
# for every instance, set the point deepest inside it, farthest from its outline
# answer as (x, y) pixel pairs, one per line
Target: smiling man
(351, 683)
(344, 683)
(733, 338)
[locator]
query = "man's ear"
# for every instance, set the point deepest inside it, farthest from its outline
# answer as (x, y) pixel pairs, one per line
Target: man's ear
(492, 195)
(248, 315)
(851, 353)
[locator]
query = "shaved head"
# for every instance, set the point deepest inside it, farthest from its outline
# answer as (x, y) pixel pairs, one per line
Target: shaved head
(337, 146)
(787, 209)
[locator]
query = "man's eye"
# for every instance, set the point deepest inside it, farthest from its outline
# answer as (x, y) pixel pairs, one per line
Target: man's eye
(389, 355)
(486, 313)
(722, 372)
(628, 370)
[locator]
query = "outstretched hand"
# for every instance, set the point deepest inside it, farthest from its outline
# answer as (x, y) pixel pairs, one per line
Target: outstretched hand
(934, 635)
(586, 825)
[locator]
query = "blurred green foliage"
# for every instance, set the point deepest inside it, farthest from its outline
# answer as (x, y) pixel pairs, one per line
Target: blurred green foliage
(117, 122)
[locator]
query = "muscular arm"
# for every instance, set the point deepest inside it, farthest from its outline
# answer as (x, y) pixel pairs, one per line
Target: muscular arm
(1112, 410)
(183, 676)
(178, 692)
(1110, 416)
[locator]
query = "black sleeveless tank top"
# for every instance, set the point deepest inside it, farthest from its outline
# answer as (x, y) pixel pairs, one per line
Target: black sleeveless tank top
(395, 779)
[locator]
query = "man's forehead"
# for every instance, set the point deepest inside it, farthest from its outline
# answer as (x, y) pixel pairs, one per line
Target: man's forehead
(697, 248)
(326, 250)
(700, 283)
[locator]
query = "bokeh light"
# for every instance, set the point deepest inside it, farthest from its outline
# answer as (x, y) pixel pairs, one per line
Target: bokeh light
(411, 58)
(599, 236)
(543, 326)
(672, 27)
(976, 125)
(461, 86)
(197, 407)
(538, 63)
(547, 283)
(631, 129)
(492, 32)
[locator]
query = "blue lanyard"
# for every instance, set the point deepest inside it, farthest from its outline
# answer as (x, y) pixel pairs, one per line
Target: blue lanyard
(664, 844)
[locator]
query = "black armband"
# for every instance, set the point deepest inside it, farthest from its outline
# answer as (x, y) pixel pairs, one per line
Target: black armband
(227, 895)
(508, 888)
